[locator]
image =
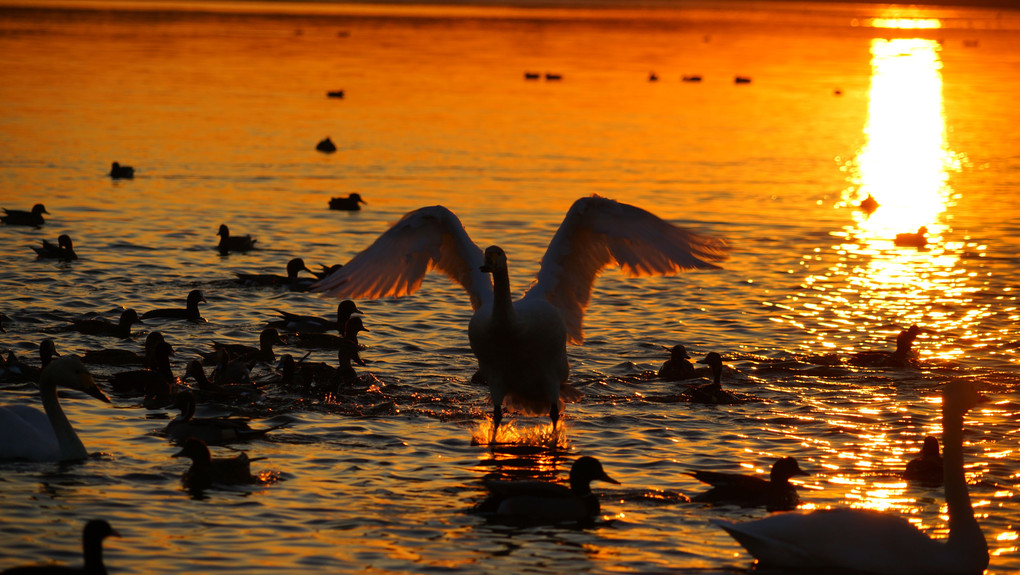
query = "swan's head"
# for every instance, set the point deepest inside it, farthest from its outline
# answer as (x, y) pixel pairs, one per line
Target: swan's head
(587, 469)
(959, 397)
(196, 296)
(786, 468)
(495, 260)
(71, 373)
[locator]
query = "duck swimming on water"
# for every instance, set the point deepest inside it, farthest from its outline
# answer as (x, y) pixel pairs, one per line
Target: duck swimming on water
(229, 243)
(190, 312)
(544, 502)
(291, 280)
(23, 218)
(867, 541)
(92, 545)
(927, 466)
(677, 366)
(62, 250)
(775, 494)
(121, 329)
(351, 203)
(521, 346)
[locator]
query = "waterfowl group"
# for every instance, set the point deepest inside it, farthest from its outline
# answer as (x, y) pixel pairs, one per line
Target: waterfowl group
(23, 218)
(867, 541)
(62, 250)
(521, 346)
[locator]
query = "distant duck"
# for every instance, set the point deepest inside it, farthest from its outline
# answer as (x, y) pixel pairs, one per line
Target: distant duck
(115, 356)
(350, 203)
(294, 267)
(653, 77)
(678, 365)
(914, 240)
(206, 471)
(27, 433)
(926, 468)
(691, 78)
(23, 218)
(326, 146)
(156, 382)
(712, 392)
(904, 356)
(550, 77)
(92, 544)
(532, 75)
(741, 80)
(62, 250)
(775, 494)
(883, 543)
(190, 313)
(316, 324)
(14, 370)
(335, 94)
(121, 329)
(545, 502)
(869, 204)
(521, 345)
(119, 172)
(229, 243)
(212, 430)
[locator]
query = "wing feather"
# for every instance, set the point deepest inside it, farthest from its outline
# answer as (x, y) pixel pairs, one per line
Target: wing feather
(395, 264)
(597, 232)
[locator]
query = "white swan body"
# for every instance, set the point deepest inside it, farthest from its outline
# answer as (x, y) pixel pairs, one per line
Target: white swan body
(866, 541)
(521, 345)
(27, 433)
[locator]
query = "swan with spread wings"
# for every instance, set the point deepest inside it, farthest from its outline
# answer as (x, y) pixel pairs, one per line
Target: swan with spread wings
(521, 345)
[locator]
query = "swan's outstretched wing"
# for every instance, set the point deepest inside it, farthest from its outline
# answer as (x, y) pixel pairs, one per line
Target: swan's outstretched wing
(425, 239)
(598, 231)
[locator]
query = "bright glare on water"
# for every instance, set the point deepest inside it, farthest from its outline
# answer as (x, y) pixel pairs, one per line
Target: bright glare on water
(219, 106)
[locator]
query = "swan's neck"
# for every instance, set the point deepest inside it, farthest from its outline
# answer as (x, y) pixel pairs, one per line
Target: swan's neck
(502, 304)
(70, 446)
(963, 527)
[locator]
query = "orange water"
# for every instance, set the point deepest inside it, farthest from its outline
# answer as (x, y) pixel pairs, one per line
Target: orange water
(219, 107)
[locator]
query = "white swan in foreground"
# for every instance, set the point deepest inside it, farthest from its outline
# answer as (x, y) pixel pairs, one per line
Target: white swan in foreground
(521, 345)
(865, 541)
(27, 433)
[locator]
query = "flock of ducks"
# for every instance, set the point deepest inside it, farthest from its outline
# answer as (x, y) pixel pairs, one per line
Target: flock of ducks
(520, 346)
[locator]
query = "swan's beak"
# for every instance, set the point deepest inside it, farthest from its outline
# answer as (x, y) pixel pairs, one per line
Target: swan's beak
(88, 385)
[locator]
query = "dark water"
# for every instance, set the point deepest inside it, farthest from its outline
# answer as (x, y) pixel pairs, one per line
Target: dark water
(219, 112)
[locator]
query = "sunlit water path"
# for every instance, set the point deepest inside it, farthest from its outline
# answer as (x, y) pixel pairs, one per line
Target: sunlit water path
(220, 110)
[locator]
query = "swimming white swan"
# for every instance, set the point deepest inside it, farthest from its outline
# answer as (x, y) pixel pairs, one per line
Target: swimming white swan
(27, 433)
(865, 541)
(521, 346)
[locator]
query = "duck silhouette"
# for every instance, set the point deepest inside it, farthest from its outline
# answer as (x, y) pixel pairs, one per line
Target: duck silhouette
(350, 203)
(775, 494)
(678, 365)
(545, 502)
(93, 534)
(23, 218)
(119, 172)
(62, 250)
(229, 243)
(190, 312)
